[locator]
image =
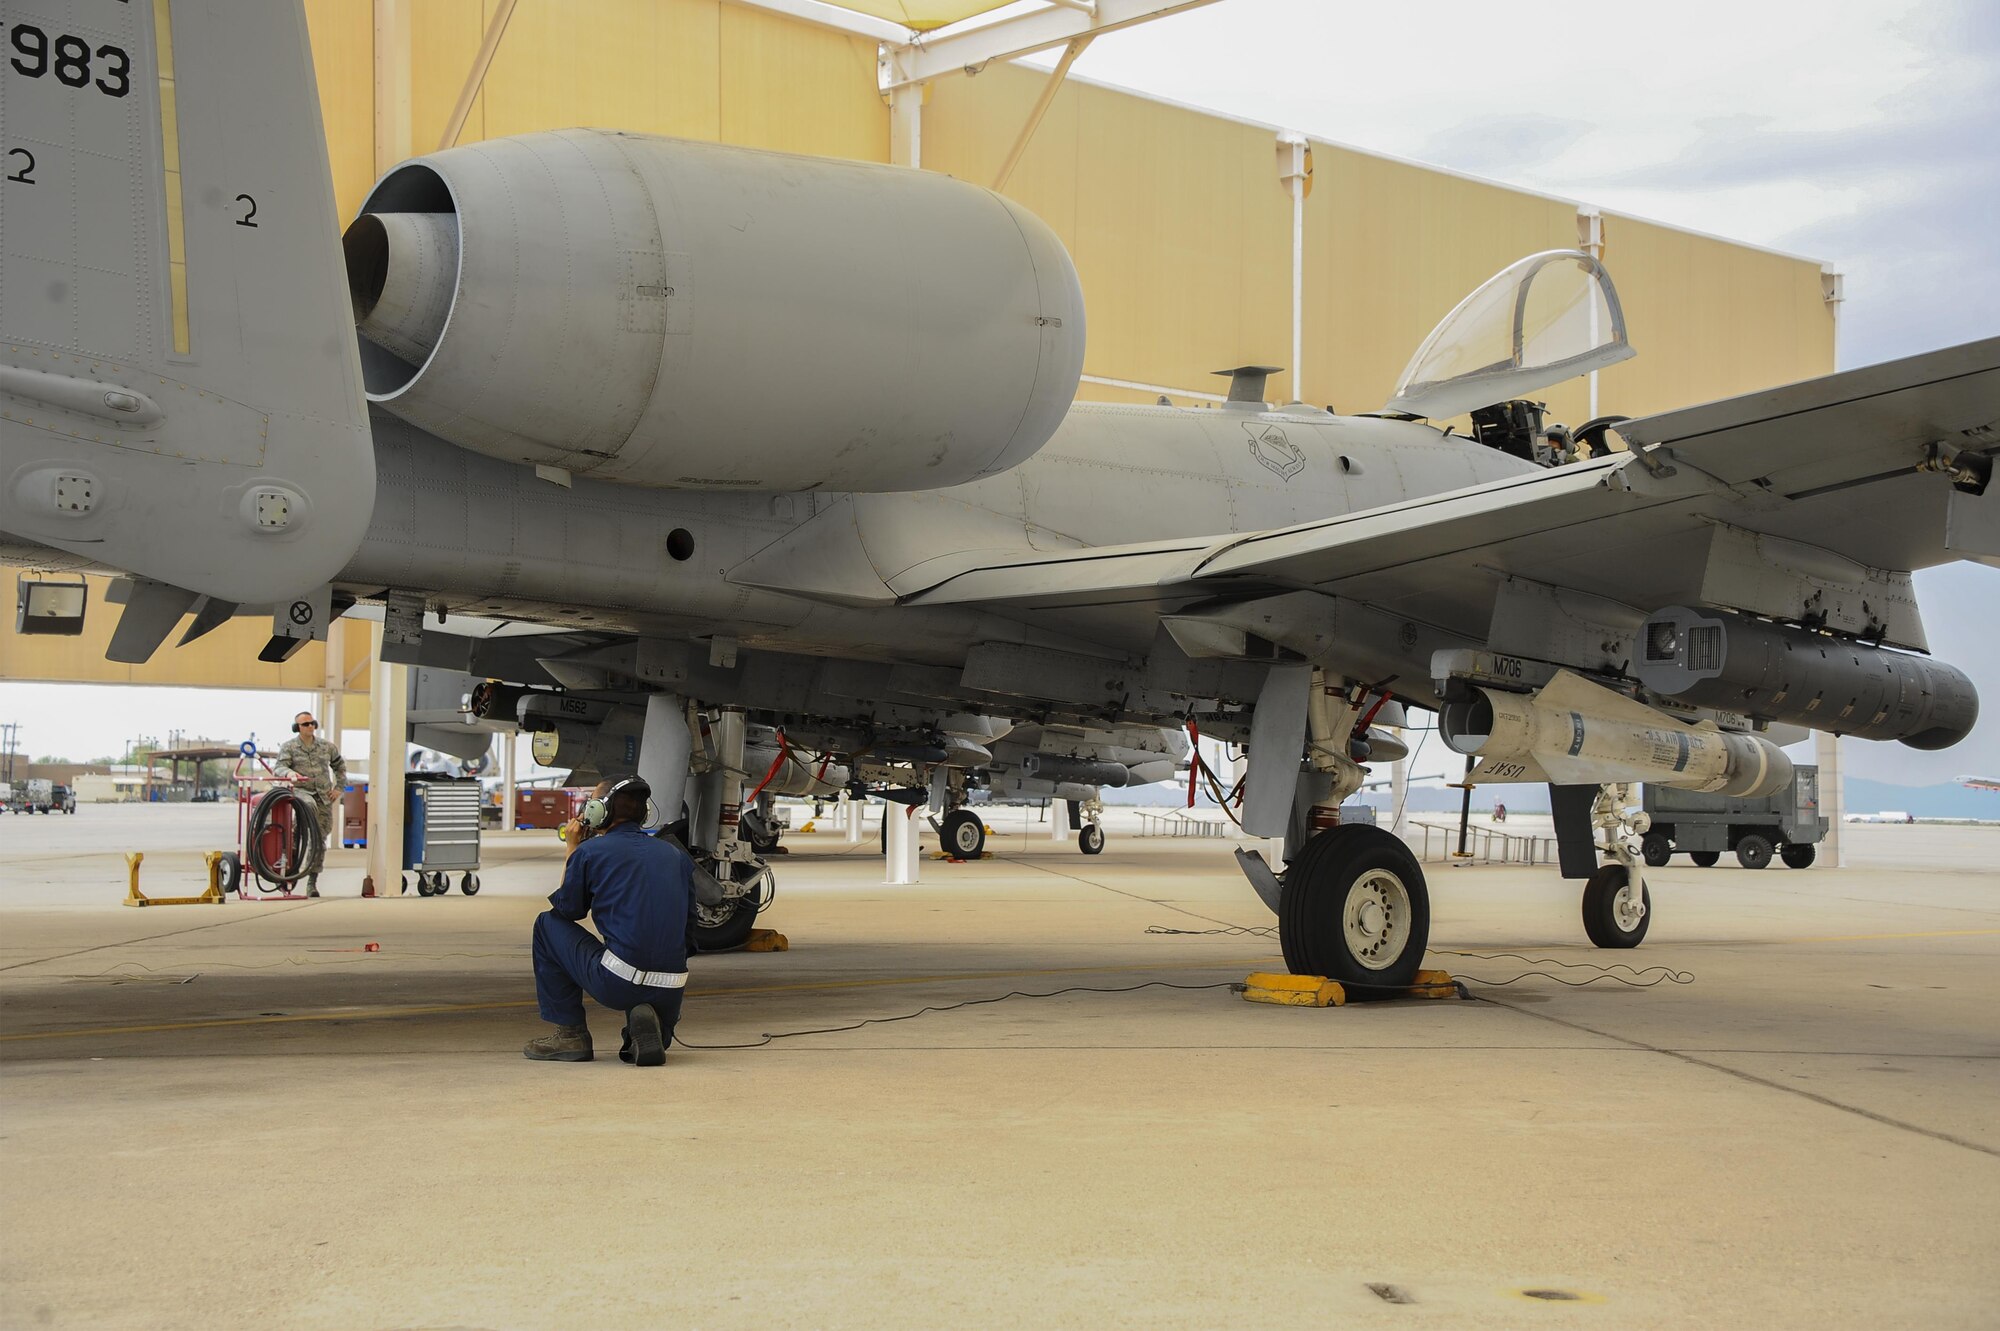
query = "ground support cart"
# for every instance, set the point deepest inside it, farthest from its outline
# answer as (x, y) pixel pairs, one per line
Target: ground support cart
(441, 833)
(1787, 824)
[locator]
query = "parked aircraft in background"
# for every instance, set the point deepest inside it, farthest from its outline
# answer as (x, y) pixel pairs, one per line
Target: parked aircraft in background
(767, 441)
(1980, 782)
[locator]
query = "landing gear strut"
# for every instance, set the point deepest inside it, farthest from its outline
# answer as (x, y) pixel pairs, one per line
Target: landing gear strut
(1617, 907)
(1353, 905)
(1085, 817)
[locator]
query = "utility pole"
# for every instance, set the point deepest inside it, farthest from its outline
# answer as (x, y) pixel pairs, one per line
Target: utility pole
(11, 729)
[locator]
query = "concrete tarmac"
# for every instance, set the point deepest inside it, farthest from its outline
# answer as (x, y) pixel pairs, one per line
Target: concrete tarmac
(233, 1116)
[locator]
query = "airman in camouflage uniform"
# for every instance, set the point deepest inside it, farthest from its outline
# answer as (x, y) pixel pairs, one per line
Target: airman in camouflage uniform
(322, 772)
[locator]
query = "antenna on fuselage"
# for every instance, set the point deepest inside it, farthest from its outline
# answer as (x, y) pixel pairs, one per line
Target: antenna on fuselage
(1246, 383)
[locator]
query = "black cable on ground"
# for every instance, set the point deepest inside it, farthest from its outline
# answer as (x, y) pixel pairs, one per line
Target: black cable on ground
(769, 1036)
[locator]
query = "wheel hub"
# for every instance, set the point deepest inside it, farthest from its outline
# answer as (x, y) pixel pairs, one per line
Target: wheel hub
(1628, 908)
(1377, 919)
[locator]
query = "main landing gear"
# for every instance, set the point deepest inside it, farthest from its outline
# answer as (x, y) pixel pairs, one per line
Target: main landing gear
(1354, 908)
(964, 834)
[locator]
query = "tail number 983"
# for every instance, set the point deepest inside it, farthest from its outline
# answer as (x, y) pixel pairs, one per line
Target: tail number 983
(34, 55)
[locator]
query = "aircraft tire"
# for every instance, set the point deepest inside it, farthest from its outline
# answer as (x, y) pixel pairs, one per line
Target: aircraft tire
(1799, 855)
(1705, 859)
(1605, 917)
(964, 834)
(1656, 849)
(1348, 886)
(729, 933)
(762, 836)
(725, 932)
(1753, 851)
(1090, 840)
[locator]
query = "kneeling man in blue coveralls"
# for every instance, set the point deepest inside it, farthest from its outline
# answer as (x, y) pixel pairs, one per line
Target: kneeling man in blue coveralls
(639, 892)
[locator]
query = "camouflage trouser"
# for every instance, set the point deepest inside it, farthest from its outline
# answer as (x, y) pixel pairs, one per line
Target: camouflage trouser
(323, 807)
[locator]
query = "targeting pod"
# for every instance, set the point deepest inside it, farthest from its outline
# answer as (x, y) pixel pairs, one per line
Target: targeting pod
(1778, 672)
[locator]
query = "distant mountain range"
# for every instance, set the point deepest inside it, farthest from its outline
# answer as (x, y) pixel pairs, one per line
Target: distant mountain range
(1949, 800)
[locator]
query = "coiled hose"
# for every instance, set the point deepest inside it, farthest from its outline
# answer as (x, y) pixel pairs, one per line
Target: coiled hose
(293, 850)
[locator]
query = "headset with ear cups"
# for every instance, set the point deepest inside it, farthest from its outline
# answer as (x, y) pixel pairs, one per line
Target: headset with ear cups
(597, 810)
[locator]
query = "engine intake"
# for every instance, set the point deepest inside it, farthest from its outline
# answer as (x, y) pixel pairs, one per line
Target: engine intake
(689, 315)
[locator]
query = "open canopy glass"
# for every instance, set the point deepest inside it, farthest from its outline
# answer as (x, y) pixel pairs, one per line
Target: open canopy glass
(1550, 317)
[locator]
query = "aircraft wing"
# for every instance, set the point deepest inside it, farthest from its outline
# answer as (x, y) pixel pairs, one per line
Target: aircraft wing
(1780, 502)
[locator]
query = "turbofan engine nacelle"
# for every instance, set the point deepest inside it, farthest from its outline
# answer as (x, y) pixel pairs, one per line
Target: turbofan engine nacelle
(666, 313)
(1778, 672)
(1573, 732)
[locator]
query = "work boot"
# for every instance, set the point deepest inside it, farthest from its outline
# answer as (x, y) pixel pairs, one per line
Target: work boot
(569, 1044)
(643, 1042)
(312, 886)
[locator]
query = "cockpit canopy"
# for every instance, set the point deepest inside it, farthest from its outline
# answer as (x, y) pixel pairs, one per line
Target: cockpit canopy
(1550, 317)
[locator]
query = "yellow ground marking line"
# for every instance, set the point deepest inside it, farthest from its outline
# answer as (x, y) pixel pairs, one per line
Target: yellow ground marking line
(1872, 938)
(380, 1014)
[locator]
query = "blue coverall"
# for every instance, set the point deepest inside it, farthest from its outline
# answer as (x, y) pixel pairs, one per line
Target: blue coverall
(639, 892)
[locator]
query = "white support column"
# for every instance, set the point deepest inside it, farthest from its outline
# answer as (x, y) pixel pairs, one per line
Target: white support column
(388, 742)
(906, 126)
(1058, 819)
(1590, 238)
(1399, 790)
(1295, 170)
(856, 813)
(1832, 796)
(509, 785)
(392, 83)
(1826, 748)
(899, 846)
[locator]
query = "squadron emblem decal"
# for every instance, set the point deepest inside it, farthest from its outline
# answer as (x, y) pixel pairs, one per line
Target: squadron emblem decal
(1270, 447)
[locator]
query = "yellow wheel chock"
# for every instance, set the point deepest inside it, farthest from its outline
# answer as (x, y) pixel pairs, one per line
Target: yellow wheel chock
(1318, 991)
(767, 940)
(212, 897)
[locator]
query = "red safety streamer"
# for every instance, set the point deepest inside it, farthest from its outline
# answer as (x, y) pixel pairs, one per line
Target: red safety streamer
(784, 752)
(1194, 768)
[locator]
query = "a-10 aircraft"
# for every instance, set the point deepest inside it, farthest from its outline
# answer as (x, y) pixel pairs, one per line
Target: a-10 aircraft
(790, 443)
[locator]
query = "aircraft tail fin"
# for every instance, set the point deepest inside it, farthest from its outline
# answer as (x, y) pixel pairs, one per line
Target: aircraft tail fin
(180, 393)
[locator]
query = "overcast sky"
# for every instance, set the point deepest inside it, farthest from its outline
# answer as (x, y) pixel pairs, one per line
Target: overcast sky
(1863, 134)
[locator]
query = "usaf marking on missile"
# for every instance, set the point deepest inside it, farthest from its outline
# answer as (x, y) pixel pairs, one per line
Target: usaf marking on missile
(781, 447)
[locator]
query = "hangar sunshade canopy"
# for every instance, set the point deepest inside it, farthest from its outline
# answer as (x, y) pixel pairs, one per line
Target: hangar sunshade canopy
(922, 39)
